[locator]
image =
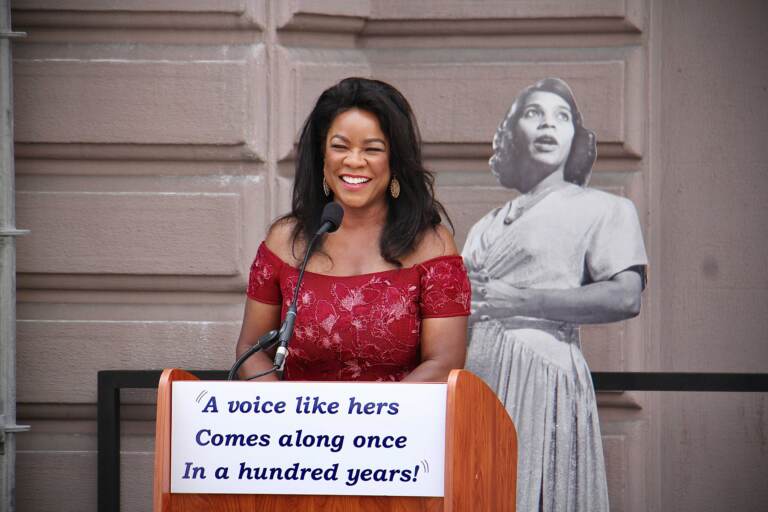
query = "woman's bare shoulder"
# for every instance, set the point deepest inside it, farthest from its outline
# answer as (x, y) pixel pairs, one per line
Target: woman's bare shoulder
(279, 240)
(435, 242)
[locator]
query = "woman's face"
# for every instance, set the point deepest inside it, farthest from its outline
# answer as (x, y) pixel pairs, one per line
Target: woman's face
(543, 135)
(357, 160)
(546, 126)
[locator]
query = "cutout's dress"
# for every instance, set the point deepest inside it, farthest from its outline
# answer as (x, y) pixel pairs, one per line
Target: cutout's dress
(568, 238)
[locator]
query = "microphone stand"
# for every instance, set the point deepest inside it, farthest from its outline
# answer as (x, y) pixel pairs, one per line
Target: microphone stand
(286, 330)
(283, 336)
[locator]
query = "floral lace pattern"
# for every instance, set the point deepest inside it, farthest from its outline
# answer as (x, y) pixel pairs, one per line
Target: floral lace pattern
(364, 327)
(261, 273)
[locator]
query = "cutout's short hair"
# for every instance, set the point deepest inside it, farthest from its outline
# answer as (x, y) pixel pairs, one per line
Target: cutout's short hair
(583, 153)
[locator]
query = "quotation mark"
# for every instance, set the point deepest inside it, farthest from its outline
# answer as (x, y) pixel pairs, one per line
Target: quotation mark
(201, 395)
(425, 466)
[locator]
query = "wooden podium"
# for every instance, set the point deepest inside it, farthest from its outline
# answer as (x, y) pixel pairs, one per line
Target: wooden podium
(480, 462)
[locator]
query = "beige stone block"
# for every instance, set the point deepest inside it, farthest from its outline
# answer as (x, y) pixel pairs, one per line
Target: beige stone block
(308, 14)
(495, 20)
(604, 346)
(408, 17)
(118, 101)
(625, 449)
(258, 204)
(462, 10)
(715, 451)
(303, 75)
(58, 360)
(463, 101)
(130, 233)
(60, 474)
(616, 469)
(55, 481)
(201, 231)
(136, 480)
(459, 100)
(284, 195)
(230, 6)
(73, 430)
(723, 329)
(467, 205)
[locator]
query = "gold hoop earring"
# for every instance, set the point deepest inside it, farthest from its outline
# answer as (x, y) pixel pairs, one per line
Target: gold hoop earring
(394, 188)
(326, 188)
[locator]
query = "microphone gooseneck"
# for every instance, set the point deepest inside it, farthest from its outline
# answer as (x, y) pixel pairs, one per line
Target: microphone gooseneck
(330, 221)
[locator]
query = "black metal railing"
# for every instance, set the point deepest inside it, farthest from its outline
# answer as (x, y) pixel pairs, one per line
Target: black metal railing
(110, 382)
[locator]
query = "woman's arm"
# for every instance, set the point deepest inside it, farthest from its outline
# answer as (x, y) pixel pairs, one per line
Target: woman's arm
(443, 348)
(596, 303)
(443, 339)
(258, 319)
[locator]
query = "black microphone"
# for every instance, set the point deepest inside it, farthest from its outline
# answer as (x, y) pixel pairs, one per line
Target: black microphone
(329, 222)
(331, 218)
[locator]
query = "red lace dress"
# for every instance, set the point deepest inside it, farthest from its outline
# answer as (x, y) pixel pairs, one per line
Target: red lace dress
(364, 327)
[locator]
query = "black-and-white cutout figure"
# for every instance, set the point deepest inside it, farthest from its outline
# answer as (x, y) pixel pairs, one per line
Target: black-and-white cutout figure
(558, 255)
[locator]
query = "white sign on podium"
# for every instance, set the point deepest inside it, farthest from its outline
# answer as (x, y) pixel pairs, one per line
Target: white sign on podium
(308, 438)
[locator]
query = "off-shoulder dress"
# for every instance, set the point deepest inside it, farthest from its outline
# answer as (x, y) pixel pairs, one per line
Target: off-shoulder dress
(363, 327)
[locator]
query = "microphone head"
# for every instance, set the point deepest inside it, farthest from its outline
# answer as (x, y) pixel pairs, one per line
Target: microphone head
(332, 213)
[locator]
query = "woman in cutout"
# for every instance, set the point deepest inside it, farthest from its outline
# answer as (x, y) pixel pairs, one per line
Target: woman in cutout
(384, 298)
(558, 255)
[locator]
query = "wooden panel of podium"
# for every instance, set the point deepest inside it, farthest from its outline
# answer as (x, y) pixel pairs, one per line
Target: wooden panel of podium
(480, 462)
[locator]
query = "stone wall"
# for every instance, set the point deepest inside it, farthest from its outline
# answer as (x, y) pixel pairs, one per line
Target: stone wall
(154, 143)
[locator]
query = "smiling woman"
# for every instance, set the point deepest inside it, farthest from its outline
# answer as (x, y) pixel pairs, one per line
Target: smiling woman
(356, 167)
(386, 297)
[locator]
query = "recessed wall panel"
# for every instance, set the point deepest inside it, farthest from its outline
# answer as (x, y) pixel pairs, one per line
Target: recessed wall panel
(467, 205)
(103, 101)
(462, 10)
(461, 102)
(61, 358)
(288, 12)
(303, 75)
(54, 480)
(231, 6)
(129, 233)
(604, 346)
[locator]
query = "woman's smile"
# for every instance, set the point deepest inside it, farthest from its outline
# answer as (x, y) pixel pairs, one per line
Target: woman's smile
(354, 182)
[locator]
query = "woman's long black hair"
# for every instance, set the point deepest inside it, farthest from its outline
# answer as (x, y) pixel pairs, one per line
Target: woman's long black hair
(413, 212)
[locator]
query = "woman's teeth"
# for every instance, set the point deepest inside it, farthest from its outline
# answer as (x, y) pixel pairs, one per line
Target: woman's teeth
(354, 180)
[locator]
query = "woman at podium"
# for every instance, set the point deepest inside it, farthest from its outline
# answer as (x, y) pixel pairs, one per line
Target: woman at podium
(558, 255)
(384, 298)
